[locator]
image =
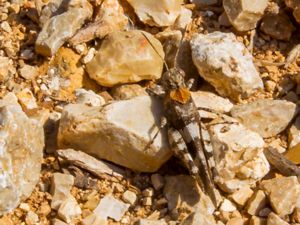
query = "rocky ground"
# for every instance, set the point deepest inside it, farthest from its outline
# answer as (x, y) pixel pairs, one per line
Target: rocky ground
(77, 121)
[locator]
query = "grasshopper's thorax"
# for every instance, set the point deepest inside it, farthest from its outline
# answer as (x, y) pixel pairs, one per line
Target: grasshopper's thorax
(174, 83)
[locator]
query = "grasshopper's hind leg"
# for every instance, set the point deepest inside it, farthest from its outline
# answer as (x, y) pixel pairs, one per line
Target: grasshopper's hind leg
(180, 150)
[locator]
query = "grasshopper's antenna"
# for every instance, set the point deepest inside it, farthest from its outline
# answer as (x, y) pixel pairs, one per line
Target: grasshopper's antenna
(181, 41)
(166, 65)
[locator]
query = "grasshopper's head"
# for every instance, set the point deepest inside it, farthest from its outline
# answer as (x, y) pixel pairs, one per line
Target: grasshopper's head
(173, 79)
(175, 86)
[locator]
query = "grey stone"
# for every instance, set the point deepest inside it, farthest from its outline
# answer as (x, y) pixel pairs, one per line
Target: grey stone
(267, 117)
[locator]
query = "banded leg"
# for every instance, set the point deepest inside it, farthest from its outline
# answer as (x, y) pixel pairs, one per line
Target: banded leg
(180, 150)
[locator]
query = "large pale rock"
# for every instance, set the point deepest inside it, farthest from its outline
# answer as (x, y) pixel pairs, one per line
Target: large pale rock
(159, 13)
(238, 153)
(266, 117)
(61, 27)
(226, 64)
(283, 193)
(22, 143)
(119, 132)
(126, 57)
(244, 14)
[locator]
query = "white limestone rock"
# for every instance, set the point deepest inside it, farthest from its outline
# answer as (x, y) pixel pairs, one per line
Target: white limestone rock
(60, 189)
(59, 28)
(111, 207)
(119, 132)
(88, 97)
(226, 64)
(244, 14)
(159, 13)
(22, 143)
(238, 153)
(69, 210)
(126, 57)
(266, 117)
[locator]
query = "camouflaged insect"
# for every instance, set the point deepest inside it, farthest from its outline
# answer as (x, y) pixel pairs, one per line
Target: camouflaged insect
(184, 128)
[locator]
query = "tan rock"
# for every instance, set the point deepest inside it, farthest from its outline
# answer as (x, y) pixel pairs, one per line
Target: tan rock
(282, 201)
(117, 134)
(257, 202)
(27, 100)
(69, 210)
(235, 221)
(94, 219)
(211, 101)
(257, 221)
(134, 59)
(22, 143)
(111, 207)
(60, 188)
(277, 26)
(227, 206)
(198, 218)
(159, 13)
(244, 14)
(294, 133)
(31, 218)
(28, 72)
(127, 91)
(273, 219)
(7, 68)
(214, 55)
(129, 197)
(183, 193)
(52, 36)
(184, 18)
(109, 18)
(88, 97)
(242, 195)
(271, 116)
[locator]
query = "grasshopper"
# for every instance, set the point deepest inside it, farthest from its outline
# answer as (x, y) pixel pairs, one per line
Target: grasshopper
(183, 123)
